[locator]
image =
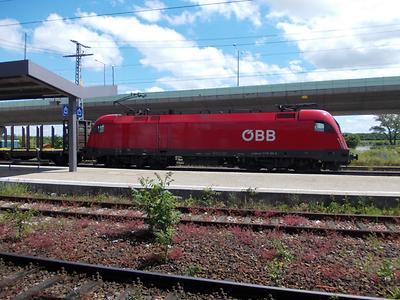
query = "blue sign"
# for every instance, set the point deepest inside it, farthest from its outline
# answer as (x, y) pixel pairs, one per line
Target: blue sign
(65, 110)
(79, 111)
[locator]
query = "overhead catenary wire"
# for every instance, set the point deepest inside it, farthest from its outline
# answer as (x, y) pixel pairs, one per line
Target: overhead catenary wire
(235, 38)
(257, 43)
(261, 54)
(19, 46)
(45, 50)
(124, 12)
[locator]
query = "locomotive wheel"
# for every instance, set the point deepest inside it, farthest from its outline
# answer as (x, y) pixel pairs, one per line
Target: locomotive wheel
(253, 168)
(162, 162)
(333, 166)
(307, 166)
(112, 162)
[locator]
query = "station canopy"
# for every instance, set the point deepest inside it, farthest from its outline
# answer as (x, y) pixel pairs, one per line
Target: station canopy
(26, 80)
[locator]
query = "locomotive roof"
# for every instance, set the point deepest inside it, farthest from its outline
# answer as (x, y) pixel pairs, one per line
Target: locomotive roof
(303, 114)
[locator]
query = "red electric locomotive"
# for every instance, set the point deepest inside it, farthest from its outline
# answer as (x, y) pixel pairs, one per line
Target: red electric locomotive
(300, 140)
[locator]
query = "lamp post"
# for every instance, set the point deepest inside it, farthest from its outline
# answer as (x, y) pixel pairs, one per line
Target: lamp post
(238, 57)
(112, 68)
(104, 71)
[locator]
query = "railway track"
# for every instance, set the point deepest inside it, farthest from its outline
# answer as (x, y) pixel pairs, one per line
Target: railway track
(45, 278)
(290, 222)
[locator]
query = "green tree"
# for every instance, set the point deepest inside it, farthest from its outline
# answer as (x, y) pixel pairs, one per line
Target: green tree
(389, 126)
(352, 140)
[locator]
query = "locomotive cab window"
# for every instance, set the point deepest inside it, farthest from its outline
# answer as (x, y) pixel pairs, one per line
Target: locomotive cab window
(319, 126)
(323, 127)
(98, 129)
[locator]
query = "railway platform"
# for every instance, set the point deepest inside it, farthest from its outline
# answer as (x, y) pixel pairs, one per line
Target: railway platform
(289, 186)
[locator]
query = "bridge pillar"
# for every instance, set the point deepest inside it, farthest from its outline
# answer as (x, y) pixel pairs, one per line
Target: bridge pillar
(72, 135)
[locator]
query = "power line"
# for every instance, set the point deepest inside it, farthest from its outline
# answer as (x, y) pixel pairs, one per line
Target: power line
(255, 36)
(222, 45)
(250, 44)
(19, 46)
(261, 54)
(125, 12)
(203, 60)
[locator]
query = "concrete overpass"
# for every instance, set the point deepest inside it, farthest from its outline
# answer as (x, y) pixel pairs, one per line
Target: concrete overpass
(340, 97)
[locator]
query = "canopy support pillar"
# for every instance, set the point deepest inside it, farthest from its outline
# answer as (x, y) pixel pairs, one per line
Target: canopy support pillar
(72, 135)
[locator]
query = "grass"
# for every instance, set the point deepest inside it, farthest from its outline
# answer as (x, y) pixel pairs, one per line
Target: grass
(14, 190)
(362, 206)
(334, 207)
(379, 156)
(22, 190)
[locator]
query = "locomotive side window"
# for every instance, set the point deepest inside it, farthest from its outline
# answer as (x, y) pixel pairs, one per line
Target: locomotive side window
(319, 126)
(323, 127)
(98, 129)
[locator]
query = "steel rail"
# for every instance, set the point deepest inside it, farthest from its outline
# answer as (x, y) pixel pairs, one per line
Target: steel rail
(198, 220)
(189, 284)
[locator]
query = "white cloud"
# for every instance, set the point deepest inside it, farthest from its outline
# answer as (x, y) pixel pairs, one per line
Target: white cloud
(243, 11)
(249, 11)
(155, 89)
(185, 17)
(188, 65)
(359, 36)
(47, 36)
(151, 16)
(11, 37)
(356, 124)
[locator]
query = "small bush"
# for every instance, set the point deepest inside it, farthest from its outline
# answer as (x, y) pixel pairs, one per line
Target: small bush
(209, 197)
(387, 271)
(160, 207)
(193, 271)
(20, 220)
(278, 266)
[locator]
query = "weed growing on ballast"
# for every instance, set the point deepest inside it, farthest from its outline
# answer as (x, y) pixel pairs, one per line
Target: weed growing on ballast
(20, 220)
(160, 207)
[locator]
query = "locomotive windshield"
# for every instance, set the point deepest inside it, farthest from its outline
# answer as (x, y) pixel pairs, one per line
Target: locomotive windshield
(340, 130)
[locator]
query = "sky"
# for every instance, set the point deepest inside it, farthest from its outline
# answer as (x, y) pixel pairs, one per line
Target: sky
(164, 45)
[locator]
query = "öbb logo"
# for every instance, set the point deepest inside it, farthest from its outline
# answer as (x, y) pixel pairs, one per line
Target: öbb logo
(258, 135)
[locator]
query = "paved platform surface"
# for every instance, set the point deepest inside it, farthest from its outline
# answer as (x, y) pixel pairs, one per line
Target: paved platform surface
(198, 180)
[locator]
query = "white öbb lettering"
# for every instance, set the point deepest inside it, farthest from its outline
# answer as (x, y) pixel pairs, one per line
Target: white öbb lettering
(258, 135)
